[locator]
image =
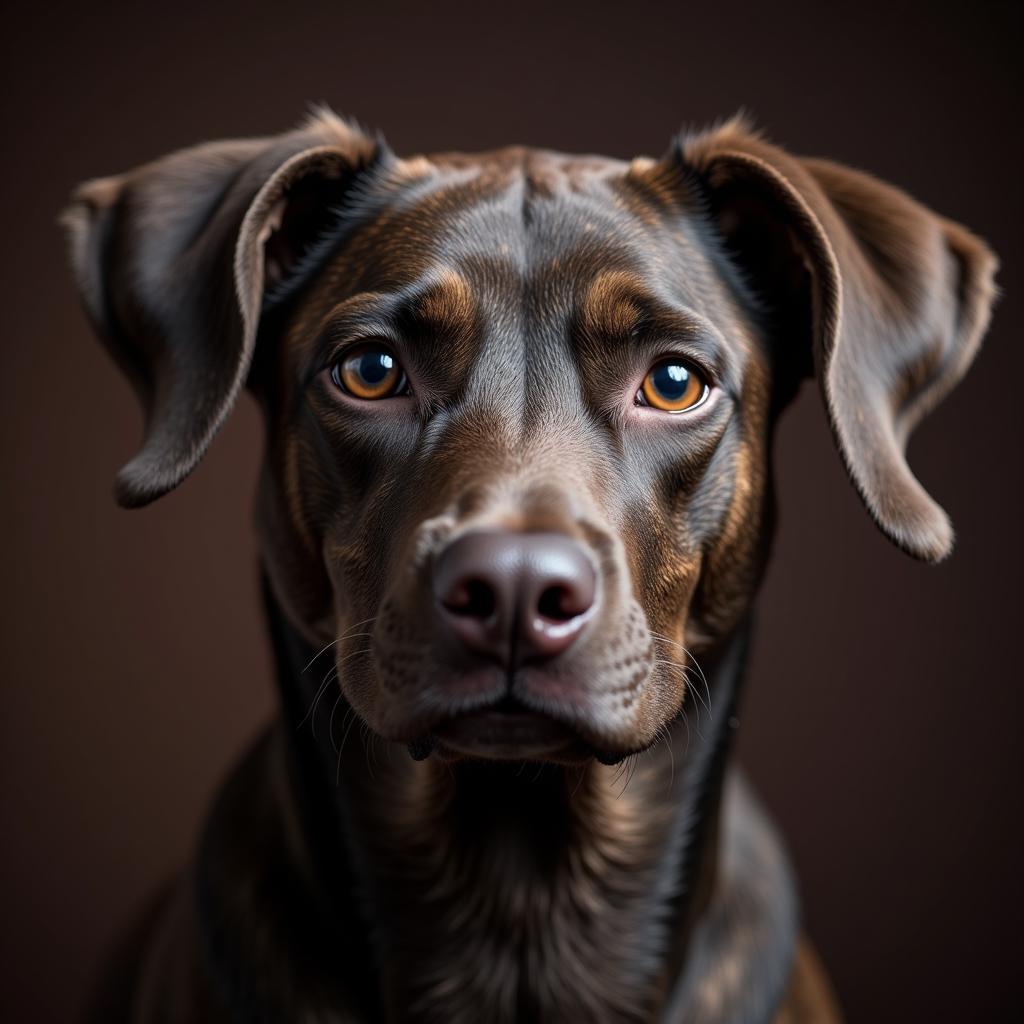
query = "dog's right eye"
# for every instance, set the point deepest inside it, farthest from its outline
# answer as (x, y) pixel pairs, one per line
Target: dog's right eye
(673, 386)
(370, 371)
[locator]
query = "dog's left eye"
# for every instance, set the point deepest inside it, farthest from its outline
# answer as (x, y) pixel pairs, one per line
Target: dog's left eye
(672, 385)
(370, 371)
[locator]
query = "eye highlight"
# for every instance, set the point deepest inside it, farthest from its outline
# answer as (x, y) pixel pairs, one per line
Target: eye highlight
(672, 385)
(370, 371)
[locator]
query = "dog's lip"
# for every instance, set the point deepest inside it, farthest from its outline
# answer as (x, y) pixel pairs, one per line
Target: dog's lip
(507, 730)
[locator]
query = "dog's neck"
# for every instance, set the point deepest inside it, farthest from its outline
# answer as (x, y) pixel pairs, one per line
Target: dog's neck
(509, 892)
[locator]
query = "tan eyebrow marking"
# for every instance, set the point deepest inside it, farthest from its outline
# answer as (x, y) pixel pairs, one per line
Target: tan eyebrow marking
(448, 303)
(610, 305)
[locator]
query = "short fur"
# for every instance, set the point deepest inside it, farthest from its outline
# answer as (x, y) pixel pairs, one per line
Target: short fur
(631, 877)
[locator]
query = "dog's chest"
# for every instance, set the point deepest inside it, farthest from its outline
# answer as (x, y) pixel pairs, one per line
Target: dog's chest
(520, 925)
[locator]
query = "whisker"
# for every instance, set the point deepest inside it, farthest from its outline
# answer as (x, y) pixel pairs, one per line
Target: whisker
(688, 678)
(345, 636)
(666, 736)
(364, 732)
(330, 724)
(337, 773)
(696, 664)
(323, 686)
(579, 780)
(337, 671)
(631, 762)
(685, 672)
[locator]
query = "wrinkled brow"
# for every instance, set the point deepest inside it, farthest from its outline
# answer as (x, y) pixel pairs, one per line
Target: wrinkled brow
(619, 307)
(442, 304)
(621, 304)
(438, 312)
(613, 305)
(445, 305)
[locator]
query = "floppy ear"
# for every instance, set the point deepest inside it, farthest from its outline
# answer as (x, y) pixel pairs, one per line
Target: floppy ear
(173, 261)
(889, 299)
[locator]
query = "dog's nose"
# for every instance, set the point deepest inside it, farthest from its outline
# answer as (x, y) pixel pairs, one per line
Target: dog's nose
(514, 597)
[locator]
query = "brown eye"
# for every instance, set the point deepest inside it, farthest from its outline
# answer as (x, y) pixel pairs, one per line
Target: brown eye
(673, 386)
(369, 371)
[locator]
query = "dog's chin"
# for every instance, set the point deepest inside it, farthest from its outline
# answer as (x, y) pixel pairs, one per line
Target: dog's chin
(509, 735)
(507, 731)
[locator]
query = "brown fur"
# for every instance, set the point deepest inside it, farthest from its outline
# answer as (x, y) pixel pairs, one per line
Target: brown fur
(526, 293)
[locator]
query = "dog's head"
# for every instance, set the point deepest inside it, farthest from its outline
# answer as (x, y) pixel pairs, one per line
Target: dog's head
(519, 404)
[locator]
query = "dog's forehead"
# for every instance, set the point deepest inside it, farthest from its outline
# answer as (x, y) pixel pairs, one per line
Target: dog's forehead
(523, 244)
(525, 223)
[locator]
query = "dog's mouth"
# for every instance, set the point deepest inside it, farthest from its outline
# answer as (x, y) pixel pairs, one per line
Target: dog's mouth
(505, 731)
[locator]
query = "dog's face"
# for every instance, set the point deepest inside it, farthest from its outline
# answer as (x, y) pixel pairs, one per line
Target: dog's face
(520, 411)
(519, 405)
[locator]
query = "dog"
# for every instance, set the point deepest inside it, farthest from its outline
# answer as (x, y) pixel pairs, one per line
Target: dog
(514, 509)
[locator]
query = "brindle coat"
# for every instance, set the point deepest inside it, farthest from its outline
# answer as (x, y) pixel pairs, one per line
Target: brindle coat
(627, 877)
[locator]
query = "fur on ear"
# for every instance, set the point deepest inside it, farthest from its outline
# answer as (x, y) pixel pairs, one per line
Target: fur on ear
(171, 261)
(890, 299)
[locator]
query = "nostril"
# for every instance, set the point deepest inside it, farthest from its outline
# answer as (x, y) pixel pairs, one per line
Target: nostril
(472, 598)
(513, 597)
(559, 604)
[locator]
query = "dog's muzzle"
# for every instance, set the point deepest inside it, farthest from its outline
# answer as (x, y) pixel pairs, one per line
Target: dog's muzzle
(509, 602)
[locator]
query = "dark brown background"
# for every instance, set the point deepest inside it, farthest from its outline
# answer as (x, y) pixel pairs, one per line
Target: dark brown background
(882, 721)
